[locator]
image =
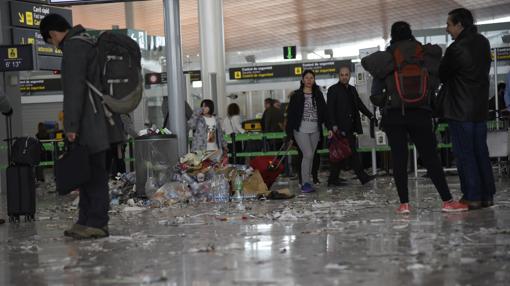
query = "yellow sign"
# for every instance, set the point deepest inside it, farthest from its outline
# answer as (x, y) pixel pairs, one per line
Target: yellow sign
(30, 18)
(12, 53)
(298, 70)
(21, 18)
(237, 75)
(31, 41)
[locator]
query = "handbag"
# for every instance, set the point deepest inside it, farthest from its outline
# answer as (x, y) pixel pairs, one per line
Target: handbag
(72, 169)
(438, 100)
(339, 148)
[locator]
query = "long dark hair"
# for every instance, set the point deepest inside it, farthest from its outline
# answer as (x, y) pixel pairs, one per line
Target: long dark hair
(315, 88)
(401, 31)
(302, 84)
(233, 109)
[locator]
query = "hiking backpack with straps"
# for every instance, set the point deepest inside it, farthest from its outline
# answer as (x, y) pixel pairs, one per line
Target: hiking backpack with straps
(410, 77)
(119, 60)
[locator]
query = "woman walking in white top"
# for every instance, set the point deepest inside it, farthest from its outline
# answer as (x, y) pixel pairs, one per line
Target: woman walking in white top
(232, 125)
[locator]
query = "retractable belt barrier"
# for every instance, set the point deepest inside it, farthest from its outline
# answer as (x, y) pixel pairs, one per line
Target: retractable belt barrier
(56, 146)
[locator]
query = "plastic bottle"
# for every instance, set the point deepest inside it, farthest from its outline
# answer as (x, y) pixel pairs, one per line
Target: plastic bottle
(220, 189)
(238, 188)
(224, 193)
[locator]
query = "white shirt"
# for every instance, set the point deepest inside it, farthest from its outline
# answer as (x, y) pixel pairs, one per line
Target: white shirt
(211, 133)
(310, 117)
(233, 125)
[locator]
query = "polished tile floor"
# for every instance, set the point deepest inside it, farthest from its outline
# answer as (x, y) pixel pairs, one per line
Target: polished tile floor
(343, 236)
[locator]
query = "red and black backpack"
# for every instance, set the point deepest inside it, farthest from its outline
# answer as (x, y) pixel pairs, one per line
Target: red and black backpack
(410, 76)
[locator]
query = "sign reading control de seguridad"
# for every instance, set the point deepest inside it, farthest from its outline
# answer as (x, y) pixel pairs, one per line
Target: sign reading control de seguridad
(29, 15)
(287, 70)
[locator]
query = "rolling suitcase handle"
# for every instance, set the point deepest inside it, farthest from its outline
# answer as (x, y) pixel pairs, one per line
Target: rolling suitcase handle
(277, 157)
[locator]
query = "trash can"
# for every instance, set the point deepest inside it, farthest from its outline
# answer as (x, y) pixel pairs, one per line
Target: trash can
(155, 158)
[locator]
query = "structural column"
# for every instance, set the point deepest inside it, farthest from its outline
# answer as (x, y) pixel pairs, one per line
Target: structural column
(212, 52)
(176, 92)
(9, 86)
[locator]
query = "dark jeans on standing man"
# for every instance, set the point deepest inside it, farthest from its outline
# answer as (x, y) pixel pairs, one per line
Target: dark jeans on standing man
(354, 161)
(417, 124)
(469, 140)
(94, 197)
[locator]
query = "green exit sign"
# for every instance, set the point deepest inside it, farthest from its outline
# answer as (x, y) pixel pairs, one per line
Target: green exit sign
(289, 52)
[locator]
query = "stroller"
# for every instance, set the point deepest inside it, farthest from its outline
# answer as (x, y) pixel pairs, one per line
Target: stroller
(270, 167)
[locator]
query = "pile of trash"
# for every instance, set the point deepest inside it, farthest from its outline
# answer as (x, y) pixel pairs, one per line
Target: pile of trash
(122, 188)
(205, 177)
(198, 177)
(154, 131)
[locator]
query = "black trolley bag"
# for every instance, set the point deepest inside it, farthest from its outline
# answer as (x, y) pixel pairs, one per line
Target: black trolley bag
(20, 185)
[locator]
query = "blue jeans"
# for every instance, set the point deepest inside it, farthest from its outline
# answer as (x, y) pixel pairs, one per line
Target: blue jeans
(469, 141)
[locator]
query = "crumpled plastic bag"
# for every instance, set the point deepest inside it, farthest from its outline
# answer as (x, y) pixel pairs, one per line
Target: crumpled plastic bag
(171, 193)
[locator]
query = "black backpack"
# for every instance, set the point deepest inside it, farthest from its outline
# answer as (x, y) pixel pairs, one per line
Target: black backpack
(26, 151)
(119, 59)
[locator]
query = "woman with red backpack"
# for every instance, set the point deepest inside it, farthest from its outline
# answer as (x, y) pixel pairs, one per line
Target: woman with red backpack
(405, 115)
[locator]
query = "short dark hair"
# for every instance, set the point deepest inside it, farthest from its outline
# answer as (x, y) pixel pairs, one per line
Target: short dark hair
(401, 31)
(209, 103)
(268, 101)
(344, 67)
(233, 109)
(53, 22)
(462, 16)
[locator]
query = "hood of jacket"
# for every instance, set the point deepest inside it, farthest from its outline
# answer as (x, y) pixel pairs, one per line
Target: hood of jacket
(76, 30)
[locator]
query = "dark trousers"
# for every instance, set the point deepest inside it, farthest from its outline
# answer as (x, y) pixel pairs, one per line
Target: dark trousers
(115, 159)
(239, 149)
(354, 161)
(418, 125)
(469, 140)
(94, 197)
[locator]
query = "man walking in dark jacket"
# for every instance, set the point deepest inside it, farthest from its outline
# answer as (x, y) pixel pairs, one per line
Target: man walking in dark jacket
(465, 71)
(344, 106)
(84, 122)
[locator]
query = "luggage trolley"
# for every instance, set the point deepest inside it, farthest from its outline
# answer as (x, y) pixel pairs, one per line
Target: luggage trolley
(498, 142)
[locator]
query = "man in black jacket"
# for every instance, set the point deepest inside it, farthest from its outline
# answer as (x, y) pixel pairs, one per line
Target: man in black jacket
(465, 71)
(84, 122)
(344, 106)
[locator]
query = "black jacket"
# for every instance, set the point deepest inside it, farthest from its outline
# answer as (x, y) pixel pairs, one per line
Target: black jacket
(465, 71)
(344, 106)
(296, 108)
(78, 65)
(272, 118)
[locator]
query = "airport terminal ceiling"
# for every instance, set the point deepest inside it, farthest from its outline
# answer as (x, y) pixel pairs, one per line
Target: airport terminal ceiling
(265, 24)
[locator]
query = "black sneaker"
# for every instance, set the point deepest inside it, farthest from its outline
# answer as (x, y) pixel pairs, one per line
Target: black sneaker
(473, 205)
(366, 179)
(336, 184)
(487, 203)
(2, 221)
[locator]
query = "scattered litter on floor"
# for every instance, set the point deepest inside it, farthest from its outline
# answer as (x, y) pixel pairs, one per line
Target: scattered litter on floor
(333, 266)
